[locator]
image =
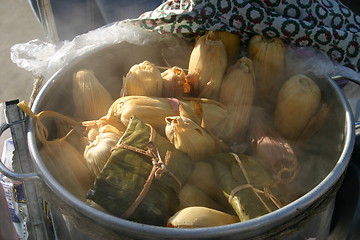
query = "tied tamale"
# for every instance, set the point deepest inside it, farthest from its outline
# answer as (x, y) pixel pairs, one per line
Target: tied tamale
(143, 176)
(246, 184)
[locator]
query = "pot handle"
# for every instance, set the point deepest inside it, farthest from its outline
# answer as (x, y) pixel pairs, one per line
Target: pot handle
(355, 78)
(9, 173)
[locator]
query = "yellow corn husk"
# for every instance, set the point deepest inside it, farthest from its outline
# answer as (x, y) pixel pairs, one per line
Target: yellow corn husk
(143, 79)
(207, 65)
(268, 56)
(316, 122)
(98, 151)
(273, 151)
(195, 217)
(91, 99)
(232, 44)
(237, 94)
(207, 113)
(297, 102)
(204, 178)
(78, 136)
(190, 196)
(189, 137)
(62, 159)
(174, 83)
(67, 166)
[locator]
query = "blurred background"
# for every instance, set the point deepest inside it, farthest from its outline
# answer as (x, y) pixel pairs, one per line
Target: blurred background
(18, 24)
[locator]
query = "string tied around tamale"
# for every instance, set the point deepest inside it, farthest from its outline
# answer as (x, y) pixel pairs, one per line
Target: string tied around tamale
(40, 129)
(256, 191)
(159, 167)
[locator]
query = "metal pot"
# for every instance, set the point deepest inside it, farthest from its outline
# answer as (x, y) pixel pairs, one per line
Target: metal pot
(307, 217)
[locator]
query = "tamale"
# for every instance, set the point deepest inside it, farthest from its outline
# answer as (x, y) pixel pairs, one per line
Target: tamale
(207, 65)
(198, 216)
(174, 83)
(91, 99)
(143, 176)
(274, 151)
(142, 79)
(190, 138)
(152, 110)
(191, 195)
(246, 184)
(237, 94)
(98, 151)
(61, 158)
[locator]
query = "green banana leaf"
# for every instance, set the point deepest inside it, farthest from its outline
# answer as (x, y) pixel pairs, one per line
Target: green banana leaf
(248, 197)
(124, 175)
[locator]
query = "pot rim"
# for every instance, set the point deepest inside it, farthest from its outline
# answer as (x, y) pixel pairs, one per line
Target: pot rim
(260, 224)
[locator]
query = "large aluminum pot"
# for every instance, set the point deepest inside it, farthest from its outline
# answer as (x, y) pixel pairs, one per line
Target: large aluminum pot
(305, 218)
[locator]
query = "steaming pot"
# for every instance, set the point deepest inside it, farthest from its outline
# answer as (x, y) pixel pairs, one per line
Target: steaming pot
(305, 218)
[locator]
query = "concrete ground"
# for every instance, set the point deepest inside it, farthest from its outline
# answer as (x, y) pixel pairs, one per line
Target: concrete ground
(18, 24)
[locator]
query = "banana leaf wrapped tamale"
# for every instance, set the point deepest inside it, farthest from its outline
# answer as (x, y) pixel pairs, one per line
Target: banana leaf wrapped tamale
(143, 176)
(246, 184)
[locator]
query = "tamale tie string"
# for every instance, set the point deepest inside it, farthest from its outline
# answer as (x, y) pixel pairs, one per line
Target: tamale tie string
(41, 130)
(159, 167)
(256, 191)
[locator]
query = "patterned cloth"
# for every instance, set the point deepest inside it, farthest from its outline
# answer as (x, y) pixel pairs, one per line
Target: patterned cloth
(327, 25)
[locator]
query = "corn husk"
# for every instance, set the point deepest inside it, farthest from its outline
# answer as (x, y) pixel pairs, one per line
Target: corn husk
(62, 159)
(232, 44)
(78, 136)
(91, 99)
(207, 65)
(297, 102)
(204, 178)
(206, 113)
(268, 56)
(143, 79)
(273, 151)
(98, 151)
(67, 166)
(246, 185)
(237, 94)
(143, 176)
(189, 137)
(175, 83)
(197, 217)
(191, 196)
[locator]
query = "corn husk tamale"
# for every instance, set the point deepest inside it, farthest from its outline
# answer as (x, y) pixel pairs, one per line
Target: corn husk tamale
(268, 56)
(91, 99)
(98, 151)
(274, 151)
(190, 196)
(298, 101)
(207, 65)
(78, 136)
(143, 79)
(232, 44)
(143, 176)
(204, 112)
(204, 178)
(246, 184)
(190, 138)
(199, 216)
(175, 83)
(61, 158)
(237, 94)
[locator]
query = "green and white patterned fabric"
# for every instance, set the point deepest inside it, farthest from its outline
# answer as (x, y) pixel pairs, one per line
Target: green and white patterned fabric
(327, 25)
